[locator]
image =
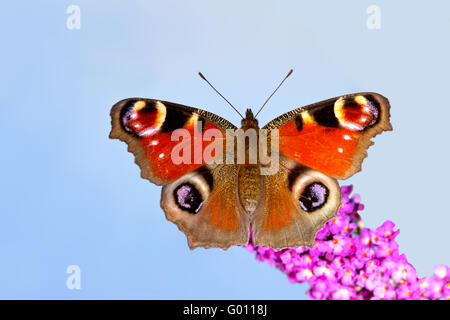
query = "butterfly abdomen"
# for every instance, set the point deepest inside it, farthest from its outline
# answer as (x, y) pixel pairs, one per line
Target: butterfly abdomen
(249, 186)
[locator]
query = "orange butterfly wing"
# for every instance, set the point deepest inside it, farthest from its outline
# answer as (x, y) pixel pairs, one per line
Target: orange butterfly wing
(220, 221)
(200, 198)
(317, 144)
(295, 203)
(332, 136)
(147, 126)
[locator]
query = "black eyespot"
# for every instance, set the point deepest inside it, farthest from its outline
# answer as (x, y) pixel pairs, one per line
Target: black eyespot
(175, 119)
(325, 117)
(298, 122)
(188, 198)
(313, 197)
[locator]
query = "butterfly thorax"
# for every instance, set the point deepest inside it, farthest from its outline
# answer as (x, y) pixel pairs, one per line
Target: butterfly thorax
(249, 122)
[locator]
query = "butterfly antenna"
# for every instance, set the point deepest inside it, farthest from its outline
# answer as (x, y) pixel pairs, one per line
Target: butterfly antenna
(203, 77)
(287, 76)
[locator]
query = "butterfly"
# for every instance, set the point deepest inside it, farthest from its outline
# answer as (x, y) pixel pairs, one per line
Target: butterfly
(221, 204)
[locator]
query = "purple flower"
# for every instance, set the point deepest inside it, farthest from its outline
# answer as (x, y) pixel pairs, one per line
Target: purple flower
(387, 250)
(348, 276)
(436, 289)
(386, 230)
(406, 291)
(320, 290)
(343, 293)
(339, 245)
(339, 223)
(324, 270)
(404, 272)
(304, 274)
(365, 237)
(373, 280)
(372, 266)
(383, 291)
(442, 272)
(361, 279)
(351, 262)
(363, 253)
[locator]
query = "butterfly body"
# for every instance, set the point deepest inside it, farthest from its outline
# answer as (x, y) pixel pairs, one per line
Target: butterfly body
(222, 200)
(249, 178)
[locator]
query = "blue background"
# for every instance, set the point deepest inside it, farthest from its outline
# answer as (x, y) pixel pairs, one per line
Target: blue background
(69, 195)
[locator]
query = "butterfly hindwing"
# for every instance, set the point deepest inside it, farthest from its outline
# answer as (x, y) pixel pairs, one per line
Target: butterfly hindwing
(295, 203)
(204, 205)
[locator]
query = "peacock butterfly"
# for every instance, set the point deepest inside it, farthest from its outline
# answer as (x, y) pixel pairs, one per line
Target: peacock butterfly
(220, 204)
